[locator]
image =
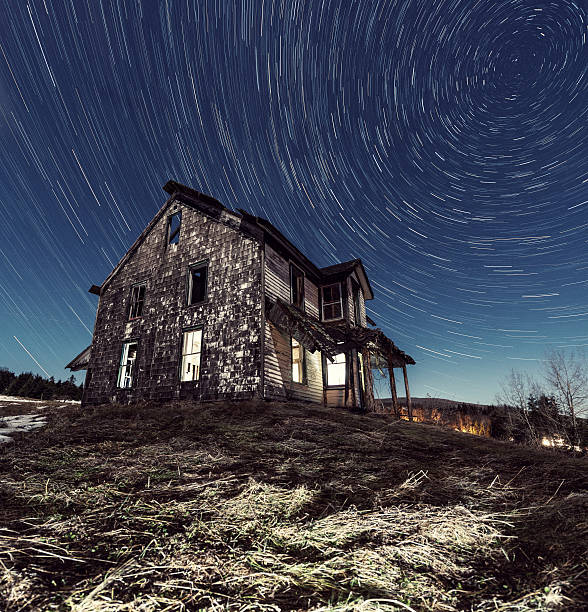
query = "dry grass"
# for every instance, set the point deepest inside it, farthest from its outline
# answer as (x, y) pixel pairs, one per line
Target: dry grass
(284, 507)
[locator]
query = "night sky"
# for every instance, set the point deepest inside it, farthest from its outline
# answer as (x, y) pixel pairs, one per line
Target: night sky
(441, 141)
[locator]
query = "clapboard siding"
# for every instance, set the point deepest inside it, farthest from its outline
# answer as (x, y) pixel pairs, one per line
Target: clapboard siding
(311, 298)
(277, 282)
(277, 275)
(278, 370)
(276, 363)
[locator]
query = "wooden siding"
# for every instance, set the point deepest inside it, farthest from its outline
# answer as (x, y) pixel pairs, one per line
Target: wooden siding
(230, 316)
(278, 382)
(277, 282)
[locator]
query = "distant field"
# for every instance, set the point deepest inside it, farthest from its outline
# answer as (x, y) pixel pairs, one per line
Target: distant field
(264, 506)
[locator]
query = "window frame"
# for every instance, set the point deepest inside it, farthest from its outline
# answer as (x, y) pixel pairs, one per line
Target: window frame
(323, 303)
(330, 364)
(186, 330)
(293, 267)
(131, 302)
(124, 355)
(303, 364)
(204, 264)
(176, 233)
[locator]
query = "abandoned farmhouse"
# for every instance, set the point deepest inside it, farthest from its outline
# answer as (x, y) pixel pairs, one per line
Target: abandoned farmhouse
(212, 304)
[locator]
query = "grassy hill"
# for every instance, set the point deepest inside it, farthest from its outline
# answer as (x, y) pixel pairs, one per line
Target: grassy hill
(262, 506)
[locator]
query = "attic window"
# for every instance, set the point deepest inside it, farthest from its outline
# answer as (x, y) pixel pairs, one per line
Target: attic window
(137, 301)
(332, 303)
(297, 286)
(173, 228)
(197, 283)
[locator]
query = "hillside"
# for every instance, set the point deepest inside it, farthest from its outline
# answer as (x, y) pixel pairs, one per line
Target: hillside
(284, 507)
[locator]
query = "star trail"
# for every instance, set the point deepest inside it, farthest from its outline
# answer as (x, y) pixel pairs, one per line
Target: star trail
(442, 142)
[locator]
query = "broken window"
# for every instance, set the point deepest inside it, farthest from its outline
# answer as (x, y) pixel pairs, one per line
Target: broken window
(137, 301)
(191, 351)
(297, 286)
(332, 302)
(336, 371)
(197, 281)
(173, 228)
(298, 362)
(126, 368)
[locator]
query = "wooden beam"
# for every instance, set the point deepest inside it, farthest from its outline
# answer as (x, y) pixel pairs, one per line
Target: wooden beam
(395, 407)
(408, 402)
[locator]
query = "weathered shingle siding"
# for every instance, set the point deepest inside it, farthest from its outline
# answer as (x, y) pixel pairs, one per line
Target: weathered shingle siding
(231, 315)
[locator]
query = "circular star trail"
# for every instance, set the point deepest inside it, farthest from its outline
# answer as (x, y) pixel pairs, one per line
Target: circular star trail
(443, 143)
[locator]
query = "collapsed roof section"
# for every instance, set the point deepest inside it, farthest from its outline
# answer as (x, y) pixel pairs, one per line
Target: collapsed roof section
(309, 332)
(333, 338)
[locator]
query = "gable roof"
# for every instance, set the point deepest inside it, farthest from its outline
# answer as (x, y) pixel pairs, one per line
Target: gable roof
(344, 269)
(256, 227)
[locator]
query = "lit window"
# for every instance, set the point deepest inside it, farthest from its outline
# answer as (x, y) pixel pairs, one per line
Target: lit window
(173, 228)
(298, 362)
(126, 367)
(191, 351)
(297, 286)
(197, 279)
(137, 301)
(332, 303)
(336, 371)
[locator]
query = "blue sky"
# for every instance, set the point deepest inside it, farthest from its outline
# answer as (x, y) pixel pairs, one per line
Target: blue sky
(443, 143)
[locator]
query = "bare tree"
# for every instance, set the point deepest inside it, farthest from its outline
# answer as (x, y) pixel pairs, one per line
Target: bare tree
(515, 392)
(567, 373)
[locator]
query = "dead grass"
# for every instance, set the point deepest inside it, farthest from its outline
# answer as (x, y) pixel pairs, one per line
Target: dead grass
(257, 506)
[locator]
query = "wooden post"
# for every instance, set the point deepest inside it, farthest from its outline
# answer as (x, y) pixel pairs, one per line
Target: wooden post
(352, 380)
(346, 399)
(408, 402)
(369, 380)
(395, 407)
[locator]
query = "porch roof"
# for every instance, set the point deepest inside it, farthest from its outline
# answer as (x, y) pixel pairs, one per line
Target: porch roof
(81, 361)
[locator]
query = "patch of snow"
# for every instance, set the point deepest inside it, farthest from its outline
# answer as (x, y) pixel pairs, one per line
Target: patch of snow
(10, 398)
(18, 423)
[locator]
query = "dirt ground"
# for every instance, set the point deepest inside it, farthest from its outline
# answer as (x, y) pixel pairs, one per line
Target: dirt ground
(265, 506)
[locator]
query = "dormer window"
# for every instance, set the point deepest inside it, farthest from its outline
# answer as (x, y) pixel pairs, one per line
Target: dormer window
(173, 228)
(297, 286)
(332, 302)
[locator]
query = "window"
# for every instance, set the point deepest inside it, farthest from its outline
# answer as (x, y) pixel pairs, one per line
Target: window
(191, 351)
(137, 301)
(197, 280)
(332, 303)
(126, 368)
(298, 362)
(173, 228)
(336, 371)
(297, 286)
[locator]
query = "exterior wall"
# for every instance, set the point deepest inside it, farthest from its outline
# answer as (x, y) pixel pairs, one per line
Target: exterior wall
(348, 292)
(231, 315)
(277, 354)
(278, 382)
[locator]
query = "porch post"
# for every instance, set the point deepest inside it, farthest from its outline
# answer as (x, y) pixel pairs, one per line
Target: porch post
(408, 402)
(395, 406)
(368, 380)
